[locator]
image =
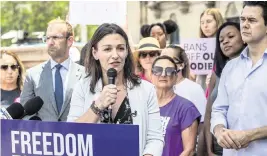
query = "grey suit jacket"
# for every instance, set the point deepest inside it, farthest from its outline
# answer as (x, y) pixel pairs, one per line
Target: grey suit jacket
(39, 82)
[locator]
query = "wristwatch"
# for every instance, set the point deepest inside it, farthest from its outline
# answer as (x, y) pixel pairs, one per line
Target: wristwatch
(95, 109)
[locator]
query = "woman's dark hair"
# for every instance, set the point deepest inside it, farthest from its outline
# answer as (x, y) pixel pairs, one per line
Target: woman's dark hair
(182, 58)
(167, 27)
(164, 57)
(220, 59)
(83, 53)
(145, 30)
(93, 67)
(262, 4)
(170, 26)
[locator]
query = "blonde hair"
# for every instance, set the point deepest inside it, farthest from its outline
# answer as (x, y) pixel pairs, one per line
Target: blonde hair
(70, 31)
(216, 15)
(20, 79)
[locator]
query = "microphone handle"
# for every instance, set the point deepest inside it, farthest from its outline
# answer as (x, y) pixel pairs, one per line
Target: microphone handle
(109, 114)
(6, 114)
(111, 80)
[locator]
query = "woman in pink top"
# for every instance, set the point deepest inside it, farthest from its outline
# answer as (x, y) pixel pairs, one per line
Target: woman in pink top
(148, 50)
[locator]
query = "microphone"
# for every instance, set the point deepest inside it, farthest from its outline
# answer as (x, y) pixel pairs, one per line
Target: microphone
(32, 106)
(14, 111)
(112, 74)
(35, 118)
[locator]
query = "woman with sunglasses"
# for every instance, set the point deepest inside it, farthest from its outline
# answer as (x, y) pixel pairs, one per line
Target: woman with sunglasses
(12, 74)
(179, 116)
(185, 87)
(148, 50)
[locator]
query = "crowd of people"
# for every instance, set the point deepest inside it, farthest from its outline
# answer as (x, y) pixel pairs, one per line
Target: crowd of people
(178, 113)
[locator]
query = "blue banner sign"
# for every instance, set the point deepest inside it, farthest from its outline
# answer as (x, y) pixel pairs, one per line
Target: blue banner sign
(24, 138)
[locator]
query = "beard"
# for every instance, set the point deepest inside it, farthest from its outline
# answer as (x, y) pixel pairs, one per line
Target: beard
(56, 53)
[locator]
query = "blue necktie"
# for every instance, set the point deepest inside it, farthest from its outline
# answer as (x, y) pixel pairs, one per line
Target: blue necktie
(58, 88)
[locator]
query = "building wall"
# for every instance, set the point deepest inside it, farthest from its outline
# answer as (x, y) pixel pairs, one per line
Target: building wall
(140, 14)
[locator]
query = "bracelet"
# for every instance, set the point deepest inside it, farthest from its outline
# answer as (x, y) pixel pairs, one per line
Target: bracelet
(95, 109)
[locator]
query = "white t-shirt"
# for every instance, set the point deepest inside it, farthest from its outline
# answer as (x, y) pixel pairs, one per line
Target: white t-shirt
(194, 93)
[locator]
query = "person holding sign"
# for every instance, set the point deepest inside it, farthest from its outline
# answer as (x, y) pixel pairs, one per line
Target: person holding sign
(179, 116)
(133, 101)
(229, 45)
(238, 118)
(210, 20)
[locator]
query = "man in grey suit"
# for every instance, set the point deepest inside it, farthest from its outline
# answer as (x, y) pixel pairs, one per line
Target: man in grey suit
(54, 79)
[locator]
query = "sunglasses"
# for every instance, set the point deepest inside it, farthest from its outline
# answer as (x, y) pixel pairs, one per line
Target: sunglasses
(13, 67)
(151, 54)
(169, 71)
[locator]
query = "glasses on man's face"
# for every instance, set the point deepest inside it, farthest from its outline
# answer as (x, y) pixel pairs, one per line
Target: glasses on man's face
(13, 67)
(169, 71)
(54, 38)
(150, 54)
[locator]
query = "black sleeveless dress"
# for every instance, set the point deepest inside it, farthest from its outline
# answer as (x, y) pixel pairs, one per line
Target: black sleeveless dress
(123, 116)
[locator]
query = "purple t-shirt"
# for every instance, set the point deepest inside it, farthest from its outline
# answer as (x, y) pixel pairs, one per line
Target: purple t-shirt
(176, 116)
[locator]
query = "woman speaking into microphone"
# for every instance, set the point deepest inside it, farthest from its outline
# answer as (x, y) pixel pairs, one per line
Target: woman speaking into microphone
(133, 101)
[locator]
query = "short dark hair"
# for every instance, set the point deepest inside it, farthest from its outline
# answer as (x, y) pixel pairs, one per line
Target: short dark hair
(145, 30)
(168, 27)
(162, 26)
(220, 59)
(83, 54)
(262, 4)
(164, 57)
(93, 67)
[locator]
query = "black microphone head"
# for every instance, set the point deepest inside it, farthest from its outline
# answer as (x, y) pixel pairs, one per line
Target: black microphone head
(33, 105)
(35, 118)
(112, 72)
(15, 110)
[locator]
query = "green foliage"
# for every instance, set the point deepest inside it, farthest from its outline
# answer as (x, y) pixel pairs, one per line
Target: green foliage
(33, 16)
(91, 30)
(30, 15)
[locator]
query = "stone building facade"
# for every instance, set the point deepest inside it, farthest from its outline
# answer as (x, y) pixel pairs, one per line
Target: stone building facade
(185, 13)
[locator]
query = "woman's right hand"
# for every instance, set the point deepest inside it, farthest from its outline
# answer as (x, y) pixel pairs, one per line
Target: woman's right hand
(107, 97)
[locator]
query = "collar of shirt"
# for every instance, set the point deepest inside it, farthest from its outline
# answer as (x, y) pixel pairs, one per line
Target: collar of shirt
(65, 64)
(244, 53)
